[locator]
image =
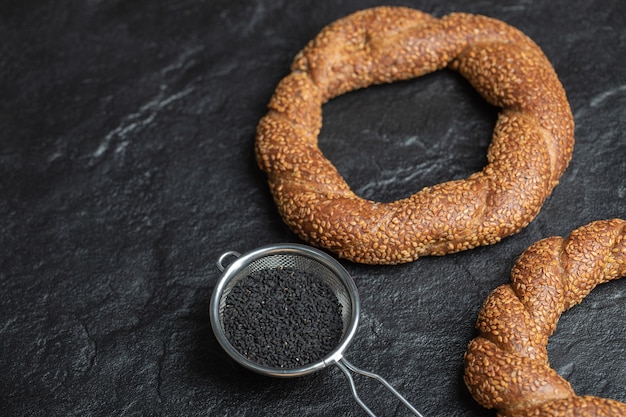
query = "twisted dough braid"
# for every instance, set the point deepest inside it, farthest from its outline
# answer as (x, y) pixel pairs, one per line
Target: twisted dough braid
(531, 145)
(507, 367)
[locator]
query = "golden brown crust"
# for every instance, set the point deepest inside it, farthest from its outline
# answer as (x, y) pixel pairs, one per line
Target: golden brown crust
(531, 145)
(506, 366)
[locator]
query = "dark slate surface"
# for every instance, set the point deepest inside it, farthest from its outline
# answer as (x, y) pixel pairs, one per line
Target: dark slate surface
(127, 168)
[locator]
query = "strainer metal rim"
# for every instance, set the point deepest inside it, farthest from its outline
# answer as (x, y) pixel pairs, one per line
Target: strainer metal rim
(231, 271)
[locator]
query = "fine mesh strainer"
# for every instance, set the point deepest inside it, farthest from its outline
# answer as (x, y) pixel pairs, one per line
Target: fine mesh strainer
(317, 263)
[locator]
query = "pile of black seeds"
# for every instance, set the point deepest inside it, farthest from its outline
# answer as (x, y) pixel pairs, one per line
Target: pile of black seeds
(282, 318)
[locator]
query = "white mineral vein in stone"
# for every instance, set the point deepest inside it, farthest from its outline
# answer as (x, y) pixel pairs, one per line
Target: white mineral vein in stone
(147, 112)
(183, 60)
(137, 120)
(599, 98)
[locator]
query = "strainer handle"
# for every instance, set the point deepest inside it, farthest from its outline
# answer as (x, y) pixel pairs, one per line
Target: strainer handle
(220, 261)
(346, 367)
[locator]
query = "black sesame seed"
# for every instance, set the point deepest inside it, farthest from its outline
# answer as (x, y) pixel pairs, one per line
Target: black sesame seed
(282, 318)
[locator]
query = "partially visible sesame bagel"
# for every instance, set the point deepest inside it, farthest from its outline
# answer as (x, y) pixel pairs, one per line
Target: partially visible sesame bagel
(506, 366)
(531, 146)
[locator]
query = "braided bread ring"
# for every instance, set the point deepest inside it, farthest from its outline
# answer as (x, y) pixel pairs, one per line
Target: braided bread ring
(531, 145)
(506, 367)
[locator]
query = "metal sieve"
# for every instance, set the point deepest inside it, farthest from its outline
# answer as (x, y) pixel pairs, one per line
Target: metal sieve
(314, 262)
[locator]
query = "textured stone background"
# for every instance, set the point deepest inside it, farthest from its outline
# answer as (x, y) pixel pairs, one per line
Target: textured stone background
(126, 169)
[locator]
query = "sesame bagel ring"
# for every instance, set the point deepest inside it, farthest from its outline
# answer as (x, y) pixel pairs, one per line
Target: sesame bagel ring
(531, 145)
(506, 367)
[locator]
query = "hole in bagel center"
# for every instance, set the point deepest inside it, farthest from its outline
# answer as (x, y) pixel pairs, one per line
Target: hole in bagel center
(389, 141)
(588, 348)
